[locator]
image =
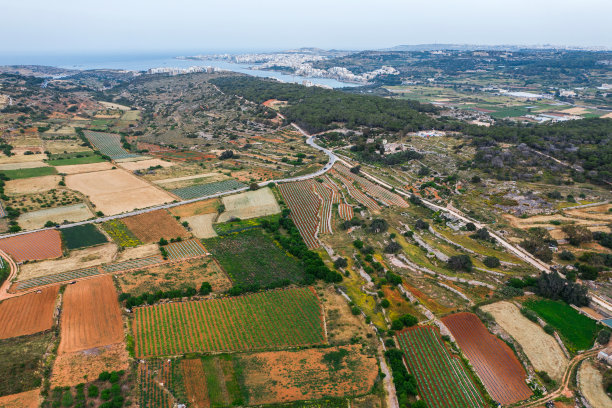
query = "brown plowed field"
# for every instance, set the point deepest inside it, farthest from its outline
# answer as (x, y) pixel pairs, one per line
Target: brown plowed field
(195, 383)
(28, 399)
(27, 314)
(494, 362)
(151, 226)
(91, 316)
(45, 244)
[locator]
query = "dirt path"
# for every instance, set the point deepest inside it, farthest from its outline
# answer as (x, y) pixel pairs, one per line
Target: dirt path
(564, 382)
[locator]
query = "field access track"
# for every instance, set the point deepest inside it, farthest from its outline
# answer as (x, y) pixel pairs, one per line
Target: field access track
(441, 378)
(272, 319)
(27, 314)
(495, 363)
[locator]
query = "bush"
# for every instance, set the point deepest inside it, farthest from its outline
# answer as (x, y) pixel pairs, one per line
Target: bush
(529, 314)
(492, 262)
(393, 247)
(67, 399)
(460, 263)
(470, 226)
(603, 337)
(549, 329)
(104, 376)
(420, 224)
(379, 225)
(358, 244)
(205, 289)
(566, 255)
(355, 310)
(385, 303)
(341, 263)
(93, 391)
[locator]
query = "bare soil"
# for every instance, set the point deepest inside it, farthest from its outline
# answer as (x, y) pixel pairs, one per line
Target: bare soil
(197, 208)
(591, 385)
(201, 225)
(249, 204)
(84, 168)
(27, 399)
(32, 185)
(145, 164)
(28, 314)
(37, 219)
(152, 226)
(90, 316)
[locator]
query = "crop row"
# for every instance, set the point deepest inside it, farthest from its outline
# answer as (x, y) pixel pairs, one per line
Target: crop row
(381, 194)
(154, 379)
(326, 195)
(185, 249)
(203, 190)
(108, 144)
(357, 194)
(304, 205)
(270, 319)
(442, 380)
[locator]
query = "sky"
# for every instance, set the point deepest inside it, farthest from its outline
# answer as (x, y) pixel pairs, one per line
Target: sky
(36, 27)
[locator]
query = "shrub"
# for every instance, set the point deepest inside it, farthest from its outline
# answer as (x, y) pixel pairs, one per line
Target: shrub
(355, 310)
(385, 303)
(566, 255)
(205, 289)
(341, 263)
(93, 391)
(460, 262)
(529, 314)
(420, 224)
(470, 226)
(492, 262)
(393, 247)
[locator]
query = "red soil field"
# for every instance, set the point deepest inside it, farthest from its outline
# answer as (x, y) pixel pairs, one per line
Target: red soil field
(151, 226)
(36, 246)
(195, 383)
(91, 316)
(495, 363)
(27, 314)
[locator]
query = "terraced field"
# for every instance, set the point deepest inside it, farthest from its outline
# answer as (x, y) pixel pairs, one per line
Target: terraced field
(304, 204)
(272, 319)
(203, 190)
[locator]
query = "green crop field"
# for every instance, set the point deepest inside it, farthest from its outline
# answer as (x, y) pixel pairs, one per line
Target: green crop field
(252, 258)
(67, 161)
(203, 190)
(577, 330)
(20, 360)
(28, 173)
(272, 319)
(82, 236)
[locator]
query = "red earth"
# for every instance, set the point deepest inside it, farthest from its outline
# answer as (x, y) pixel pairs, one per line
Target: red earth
(36, 246)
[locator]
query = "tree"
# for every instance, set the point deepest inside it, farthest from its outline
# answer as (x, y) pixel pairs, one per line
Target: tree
(420, 224)
(385, 303)
(163, 241)
(577, 234)
(491, 262)
(341, 263)
(379, 225)
(470, 226)
(358, 244)
(482, 234)
(227, 154)
(460, 263)
(205, 289)
(476, 180)
(566, 255)
(356, 169)
(254, 186)
(393, 247)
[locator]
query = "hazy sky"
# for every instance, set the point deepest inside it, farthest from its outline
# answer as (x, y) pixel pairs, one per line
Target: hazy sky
(77, 26)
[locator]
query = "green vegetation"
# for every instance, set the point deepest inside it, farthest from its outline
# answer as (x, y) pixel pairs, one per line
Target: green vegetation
(252, 258)
(112, 388)
(121, 234)
(20, 362)
(82, 236)
(577, 330)
(221, 381)
(29, 173)
(405, 384)
(76, 160)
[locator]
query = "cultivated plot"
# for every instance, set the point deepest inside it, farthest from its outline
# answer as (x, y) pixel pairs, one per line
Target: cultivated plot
(27, 314)
(495, 363)
(35, 246)
(250, 204)
(91, 316)
(280, 318)
(109, 145)
(203, 190)
(152, 226)
(58, 215)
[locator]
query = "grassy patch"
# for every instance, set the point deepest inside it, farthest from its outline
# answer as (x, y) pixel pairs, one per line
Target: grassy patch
(229, 227)
(120, 233)
(76, 160)
(221, 381)
(577, 330)
(82, 236)
(20, 362)
(252, 258)
(29, 173)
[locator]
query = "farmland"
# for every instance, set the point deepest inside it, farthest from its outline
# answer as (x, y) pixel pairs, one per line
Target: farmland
(108, 144)
(155, 383)
(91, 315)
(29, 173)
(494, 362)
(27, 314)
(441, 377)
(379, 193)
(121, 234)
(252, 258)
(82, 236)
(231, 324)
(542, 349)
(38, 219)
(304, 205)
(357, 194)
(20, 360)
(36, 246)
(203, 190)
(285, 376)
(250, 204)
(151, 226)
(185, 249)
(214, 381)
(577, 330)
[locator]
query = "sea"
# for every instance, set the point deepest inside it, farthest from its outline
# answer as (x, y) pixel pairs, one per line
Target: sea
(138, 62)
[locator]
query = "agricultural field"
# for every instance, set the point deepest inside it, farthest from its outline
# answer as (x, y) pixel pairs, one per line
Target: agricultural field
(202, 225)
(20, 360)
(191, 248)
(116, 191)
(91, 316)
(121, 234)
(231, 324)
(250, 204)
(70, 369)
(591, 385)
(190, 273)
(252, 258)
(58, 215)
(152, 226)
(84, 168)
(27, 314)
(212, 381)
(26, 399)
(29, 173)
(35, 246)
(356, 194)
(156, 381)
(495, 363)
(74, 158)
(82, 236)
(304, 205)
(441, 377)
(541, 349)
(576, 329)
(203, 190)
(109, 145)
(276, 377)
(379, 193)
(197, 208)
(145, 164)
(32, 186)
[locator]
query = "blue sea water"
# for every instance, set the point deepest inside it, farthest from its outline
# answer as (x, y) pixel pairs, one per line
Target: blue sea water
(143, 62)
